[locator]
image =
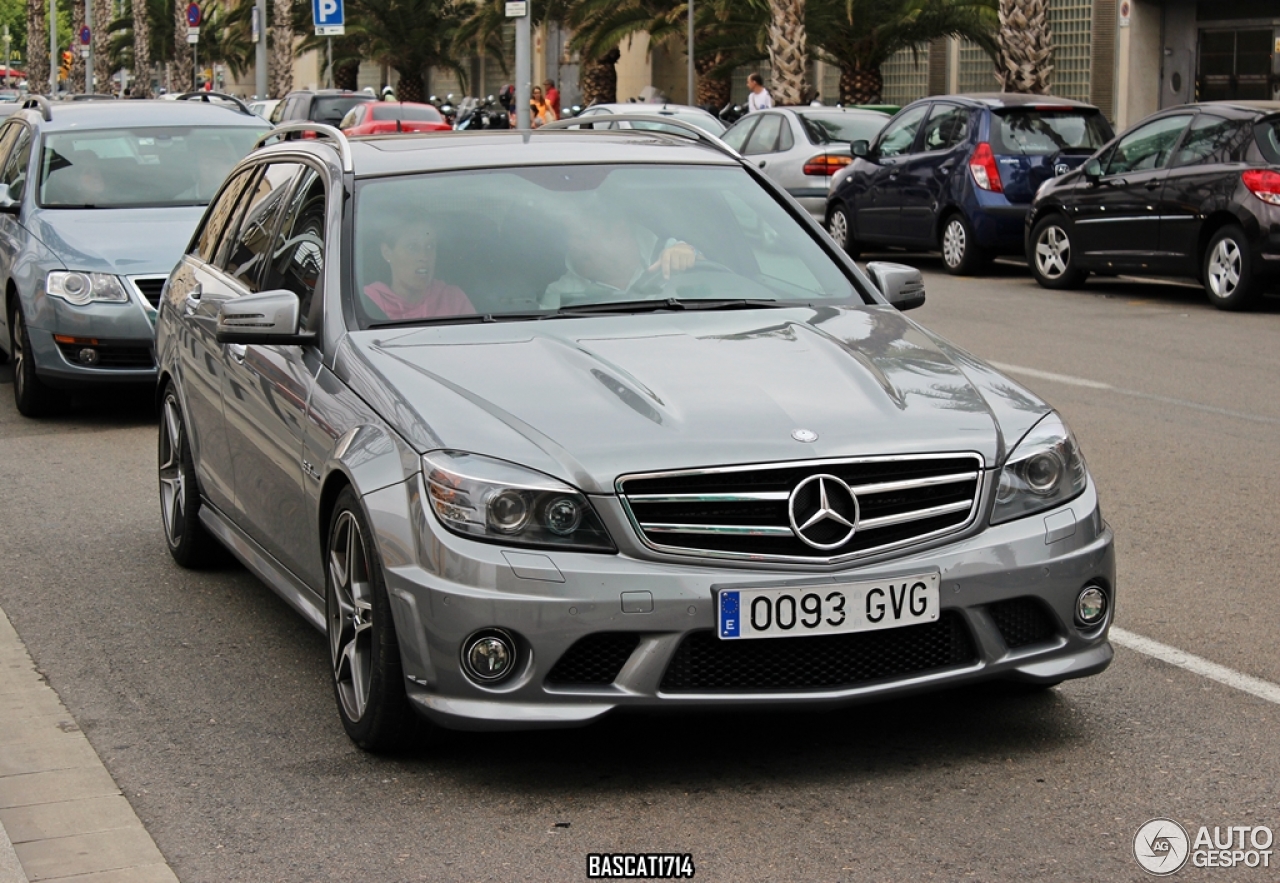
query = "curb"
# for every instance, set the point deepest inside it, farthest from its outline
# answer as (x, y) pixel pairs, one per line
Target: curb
(61, 814)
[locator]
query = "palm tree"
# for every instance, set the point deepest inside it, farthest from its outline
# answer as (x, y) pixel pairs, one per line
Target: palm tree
(788, 51)
(182, 60)
(37, 47)
(76, 82)
(142, 55)
(410, 36)
(101, 41)
(281, 62)
(861, 35)
(1025, 47)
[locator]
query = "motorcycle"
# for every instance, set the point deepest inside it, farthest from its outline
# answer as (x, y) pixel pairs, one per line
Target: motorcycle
(731, 113)
(474, 114)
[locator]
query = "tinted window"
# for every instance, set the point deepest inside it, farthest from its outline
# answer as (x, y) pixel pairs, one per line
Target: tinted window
(824, 128)
(948, 126)
(119, 168)
(297, 257)
(736, 137)
(1268, 134)
(901, 133)
(331, 109)
(1147, 147)
(1213, 140)
(15, 168)
(423, 113)
(765, 137)
(252, 243)
(215, 221)
(1045, 132)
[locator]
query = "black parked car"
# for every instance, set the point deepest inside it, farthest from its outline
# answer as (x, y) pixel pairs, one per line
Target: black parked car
(327, 106)
(1190, 191)
(957, 173)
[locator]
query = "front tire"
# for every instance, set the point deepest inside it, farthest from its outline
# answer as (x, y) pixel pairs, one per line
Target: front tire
(368, 678)
(1052, 258)
(32, 395)
(189, 543)
(1229, 278)
(840, 226)
(961, 254)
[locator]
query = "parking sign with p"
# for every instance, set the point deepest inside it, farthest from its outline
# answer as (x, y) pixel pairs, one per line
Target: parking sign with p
(329, 17)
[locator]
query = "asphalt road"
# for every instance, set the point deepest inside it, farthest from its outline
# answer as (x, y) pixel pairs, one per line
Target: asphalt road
(209, 700)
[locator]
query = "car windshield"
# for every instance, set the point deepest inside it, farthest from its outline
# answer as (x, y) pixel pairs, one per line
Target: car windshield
(124, 168)
(1041, 132)
(331, 109)
(574, 239)
(846, 127)
(703, 121)
(1268, 135)
(418, 113)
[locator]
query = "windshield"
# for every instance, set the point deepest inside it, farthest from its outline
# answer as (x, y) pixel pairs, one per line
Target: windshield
(123, 168)
(1044, 132)
(846, 127)
(580, 238)
(419, 113)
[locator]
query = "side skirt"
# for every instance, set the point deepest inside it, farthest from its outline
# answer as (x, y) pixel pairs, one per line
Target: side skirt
(264, 567)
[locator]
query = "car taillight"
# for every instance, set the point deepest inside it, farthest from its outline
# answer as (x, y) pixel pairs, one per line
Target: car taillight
(1263, 184)
(983, 166)
(826, 164)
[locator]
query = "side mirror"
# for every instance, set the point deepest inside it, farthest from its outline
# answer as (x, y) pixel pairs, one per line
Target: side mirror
(860, 148)
(902, 286)
(1092, 170)
(267, 317)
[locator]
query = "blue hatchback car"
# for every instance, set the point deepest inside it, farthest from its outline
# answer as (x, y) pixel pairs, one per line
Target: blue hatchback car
(957, 173)
(98, 200)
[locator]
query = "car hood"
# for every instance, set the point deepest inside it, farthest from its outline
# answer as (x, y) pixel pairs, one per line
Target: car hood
(125, 241)
(590, 399)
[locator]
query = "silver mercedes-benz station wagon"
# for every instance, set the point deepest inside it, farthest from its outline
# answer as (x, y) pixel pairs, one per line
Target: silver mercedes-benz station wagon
(540, 426)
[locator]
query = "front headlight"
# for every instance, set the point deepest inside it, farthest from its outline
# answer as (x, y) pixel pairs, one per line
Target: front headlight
(1046, 469)
(81, 288)
(499, 502)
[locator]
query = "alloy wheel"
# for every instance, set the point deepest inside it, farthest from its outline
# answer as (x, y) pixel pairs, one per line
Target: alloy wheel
(173, 506)
(953, 243)
(838, 227)
(1225, 268)
(350, 614)
(19, 353)
(1053, 252)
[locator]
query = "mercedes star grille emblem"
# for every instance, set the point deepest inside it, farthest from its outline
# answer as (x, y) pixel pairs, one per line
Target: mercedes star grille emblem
(823, 512)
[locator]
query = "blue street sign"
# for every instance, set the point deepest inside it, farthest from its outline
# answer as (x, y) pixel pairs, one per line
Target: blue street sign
(193, 15)
(328, 16)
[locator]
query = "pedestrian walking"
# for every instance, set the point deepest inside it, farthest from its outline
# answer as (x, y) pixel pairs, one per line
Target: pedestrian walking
(759, 99)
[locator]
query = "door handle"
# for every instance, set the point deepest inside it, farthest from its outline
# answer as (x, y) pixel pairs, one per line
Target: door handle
(237, 352)
(1152, 185)
(193, 298)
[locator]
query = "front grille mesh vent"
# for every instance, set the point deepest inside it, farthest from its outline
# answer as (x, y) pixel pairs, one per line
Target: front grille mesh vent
(744, 511)
(594, 660)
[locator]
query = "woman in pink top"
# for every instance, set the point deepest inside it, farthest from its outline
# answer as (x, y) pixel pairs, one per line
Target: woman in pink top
(415, 293)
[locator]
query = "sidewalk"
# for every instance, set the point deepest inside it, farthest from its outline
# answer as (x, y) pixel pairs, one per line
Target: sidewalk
(61, 815)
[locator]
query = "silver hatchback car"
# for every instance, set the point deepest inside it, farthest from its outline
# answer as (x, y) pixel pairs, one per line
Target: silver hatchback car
(673, 450)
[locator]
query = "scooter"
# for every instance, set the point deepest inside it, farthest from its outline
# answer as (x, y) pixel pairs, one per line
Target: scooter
(475, 114)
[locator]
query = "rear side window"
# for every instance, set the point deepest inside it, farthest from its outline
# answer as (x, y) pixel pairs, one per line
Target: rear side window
(1267, 133)
(1212, 139)
(1033, 132)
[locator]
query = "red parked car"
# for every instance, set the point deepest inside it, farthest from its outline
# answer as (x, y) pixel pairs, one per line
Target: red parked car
(383, 117)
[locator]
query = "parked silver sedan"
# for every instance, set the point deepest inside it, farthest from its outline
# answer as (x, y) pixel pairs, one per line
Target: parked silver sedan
(802, 148)
(674, 450)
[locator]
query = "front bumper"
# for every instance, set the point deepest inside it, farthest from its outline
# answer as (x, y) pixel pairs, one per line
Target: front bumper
(124, 336)
(444, 588)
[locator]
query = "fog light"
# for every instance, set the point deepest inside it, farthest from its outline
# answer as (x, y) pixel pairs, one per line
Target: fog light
(1091, 606)
(88, 356)
(489, 656)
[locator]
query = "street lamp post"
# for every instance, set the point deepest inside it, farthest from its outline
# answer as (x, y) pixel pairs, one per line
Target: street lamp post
(88, 58)
(7, 41)
(692, 94)
(53, 48)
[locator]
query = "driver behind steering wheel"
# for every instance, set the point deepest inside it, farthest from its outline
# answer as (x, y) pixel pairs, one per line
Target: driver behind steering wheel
(606, 256)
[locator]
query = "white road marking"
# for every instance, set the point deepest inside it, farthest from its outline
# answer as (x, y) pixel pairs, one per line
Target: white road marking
(1133, 393)
(1192, 663)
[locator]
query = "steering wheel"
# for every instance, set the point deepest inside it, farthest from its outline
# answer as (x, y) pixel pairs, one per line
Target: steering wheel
(651, 281)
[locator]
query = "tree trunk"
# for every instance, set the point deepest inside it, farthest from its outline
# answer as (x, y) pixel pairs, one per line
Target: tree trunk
(181, 48)
(37, 47)
(788, 52)
(281, 48)
(347, 75)
(859, 85)
(141, 87)
(1025, 60)
(600, 79)
(713, 91)
(102, 18)
(76, 82)
(411, 86)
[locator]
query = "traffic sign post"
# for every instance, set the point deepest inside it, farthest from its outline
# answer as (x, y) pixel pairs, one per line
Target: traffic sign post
(193, 37)
(329, 17)
(85, 36)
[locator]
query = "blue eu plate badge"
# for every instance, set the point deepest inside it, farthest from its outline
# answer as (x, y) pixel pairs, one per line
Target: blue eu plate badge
(730, 625)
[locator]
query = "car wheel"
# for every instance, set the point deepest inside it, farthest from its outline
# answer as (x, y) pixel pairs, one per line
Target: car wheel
(368, 680)
(1052, 259)
(840, 227)
(189, 543)
(32, 395)
(960, 250)
(1228, 270)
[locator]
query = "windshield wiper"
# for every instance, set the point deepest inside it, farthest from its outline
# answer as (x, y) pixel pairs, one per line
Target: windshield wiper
(671, 303)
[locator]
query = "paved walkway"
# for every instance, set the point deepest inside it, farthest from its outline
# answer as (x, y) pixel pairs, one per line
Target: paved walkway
(61, 815)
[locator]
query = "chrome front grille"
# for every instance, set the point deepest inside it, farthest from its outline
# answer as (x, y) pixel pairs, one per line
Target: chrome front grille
(746, 511)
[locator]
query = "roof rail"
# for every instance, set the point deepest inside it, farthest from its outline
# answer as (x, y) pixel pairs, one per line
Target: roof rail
(207, 97)
(320, 130)
(39, 102)
(688, 129)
